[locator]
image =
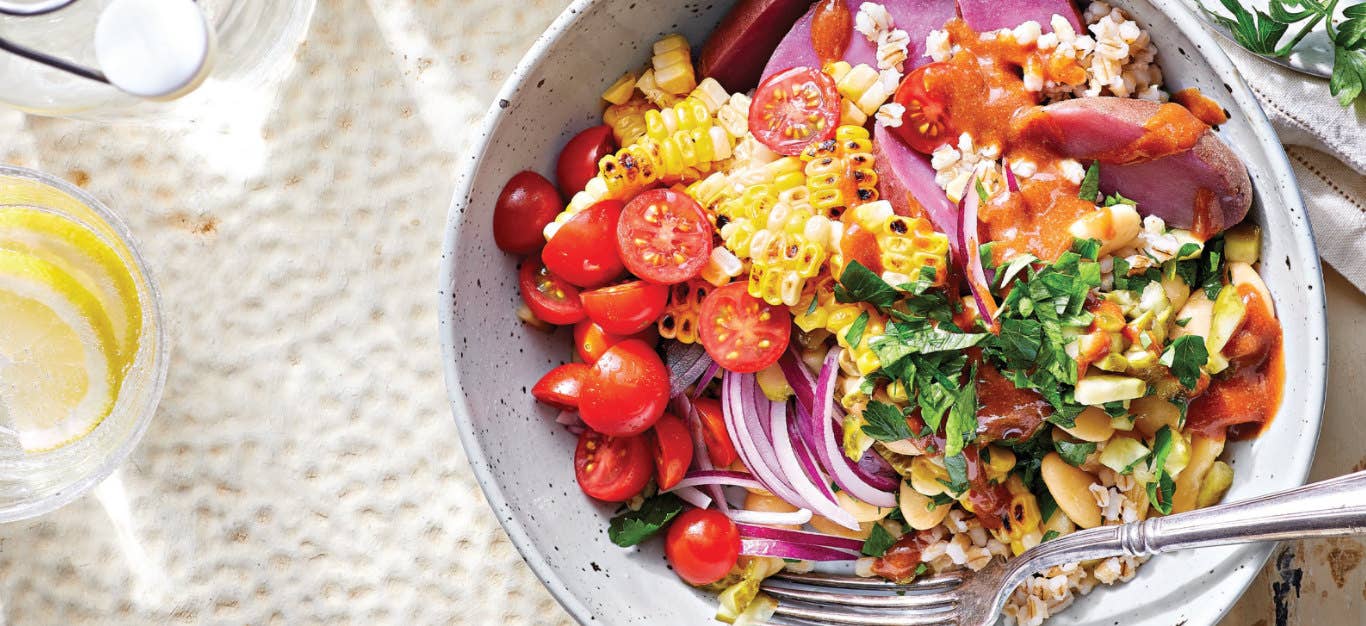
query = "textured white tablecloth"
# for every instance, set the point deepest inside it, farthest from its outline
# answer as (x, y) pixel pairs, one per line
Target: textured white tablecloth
(303, 466)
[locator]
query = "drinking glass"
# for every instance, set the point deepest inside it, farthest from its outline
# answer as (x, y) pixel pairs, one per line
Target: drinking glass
(35, 483)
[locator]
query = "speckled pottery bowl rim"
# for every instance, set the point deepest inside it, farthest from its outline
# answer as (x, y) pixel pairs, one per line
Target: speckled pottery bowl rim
(1288, 198)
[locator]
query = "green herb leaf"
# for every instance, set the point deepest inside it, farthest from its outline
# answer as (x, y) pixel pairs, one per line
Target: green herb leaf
(1090, 185)
(921, 569)
(1253, 29)
(1087, 248)
(860, 284)
(633, 527)
(1349, 74)
(1212, 268)
(962, 425)
(1187, 249)
(1118, 198)
(1185, 357)
(1352, 33)
(1161, 492)
(1162, 488)
(811, 308)
(981, 191)
(878, 542)
(957, 468)
(855, 334)
(1183, 322)
(1115, 409)
(885, 422)
(1014, 267)
(1049, 536)
(1047, 505)
(938, 500)
(1074, 453)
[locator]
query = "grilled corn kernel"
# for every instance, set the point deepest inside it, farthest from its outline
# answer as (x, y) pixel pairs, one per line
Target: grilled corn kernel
(861, 85)
(653, 92)
(839, 172)
(672, 64)
(648, 160)
(722, 266)
(627, 120)
(679, 321)
(908, 244)
(622, 90)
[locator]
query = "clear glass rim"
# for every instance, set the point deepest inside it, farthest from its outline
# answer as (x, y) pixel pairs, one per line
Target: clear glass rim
(156, 359)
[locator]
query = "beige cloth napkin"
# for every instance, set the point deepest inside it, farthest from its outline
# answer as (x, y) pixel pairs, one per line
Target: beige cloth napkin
(1327, 148)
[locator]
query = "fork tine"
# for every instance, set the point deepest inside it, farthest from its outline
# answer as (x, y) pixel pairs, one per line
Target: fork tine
(872, 584)
(910, 601)
(811, 614)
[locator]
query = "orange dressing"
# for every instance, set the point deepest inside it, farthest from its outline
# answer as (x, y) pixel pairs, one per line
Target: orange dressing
(1243, 399)
(1006, 411)
(831, 28)
(1201, 106)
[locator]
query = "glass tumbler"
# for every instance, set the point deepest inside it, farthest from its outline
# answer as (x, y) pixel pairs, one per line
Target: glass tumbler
(255, 42)
(34, 483)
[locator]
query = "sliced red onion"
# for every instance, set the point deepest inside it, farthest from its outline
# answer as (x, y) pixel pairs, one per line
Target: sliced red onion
(786, 550)
(701, 459)
(799, 378)
(969, 241)
(741, 416)
(827, 448)
(810, 487)
(706, 378)
(1012, 184)
(774, 518)
(872, 468)
(719, 477)
(568, 418)
(692, 495)
(687, 363)
(799, 536)
(807, 459)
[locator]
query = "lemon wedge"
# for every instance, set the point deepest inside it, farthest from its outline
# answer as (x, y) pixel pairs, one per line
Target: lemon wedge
(85, 257)
(59, 373)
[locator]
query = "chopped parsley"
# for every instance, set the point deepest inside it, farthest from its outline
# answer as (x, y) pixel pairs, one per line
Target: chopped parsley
(878, 542)
(962, 425)
(859, 284)
(1090, 185)
(1049, 536)
(885, 422)
(1185, 356)
(1162, 488)
(957, 467)
(1211, 267)
(1074, 453)
(855, 334)
(633, 527)
(1087, 248)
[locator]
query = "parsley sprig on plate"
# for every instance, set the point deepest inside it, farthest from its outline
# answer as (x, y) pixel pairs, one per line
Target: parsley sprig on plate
(1262, 32)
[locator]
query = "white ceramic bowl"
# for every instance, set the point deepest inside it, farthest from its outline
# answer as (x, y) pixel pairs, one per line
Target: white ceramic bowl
(523, 460)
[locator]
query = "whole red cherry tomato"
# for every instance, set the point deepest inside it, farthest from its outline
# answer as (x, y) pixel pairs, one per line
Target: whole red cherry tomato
(560, 387)
(528, 202)
(672, 449)
(612, 469)
(626, 308)
(702, 545)
(626, 390)
(550, 298)
(584, 249)
(579, 158)
(590, 340)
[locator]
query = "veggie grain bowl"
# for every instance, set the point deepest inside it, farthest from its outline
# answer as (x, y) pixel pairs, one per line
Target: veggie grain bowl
(901, 287)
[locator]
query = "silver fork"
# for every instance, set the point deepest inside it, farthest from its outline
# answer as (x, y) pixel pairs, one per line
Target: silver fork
(1330, 508)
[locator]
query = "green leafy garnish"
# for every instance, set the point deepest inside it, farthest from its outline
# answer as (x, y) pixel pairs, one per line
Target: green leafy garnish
(885, 422)
(1162, 488)
(1090, 185)
(1185, 356)
(957, 467)
(1074, 453)
(1262, 33)
(1087, 248)
(962, 425)
(1049, 536)
(860, 284)
(878, 542)
(633, 527)
(938, 500)
(855, 334)
(1212, 268)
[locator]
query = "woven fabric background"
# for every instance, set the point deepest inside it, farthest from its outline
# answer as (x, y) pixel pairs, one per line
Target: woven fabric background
(303, 466)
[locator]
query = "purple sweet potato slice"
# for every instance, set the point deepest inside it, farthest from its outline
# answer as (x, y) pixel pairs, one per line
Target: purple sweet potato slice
(906, 180)
(987, 15)
(916, 17)
(1167, 186)
(737, 49)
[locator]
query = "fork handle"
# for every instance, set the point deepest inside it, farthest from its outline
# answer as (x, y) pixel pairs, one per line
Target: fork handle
(1330, 508)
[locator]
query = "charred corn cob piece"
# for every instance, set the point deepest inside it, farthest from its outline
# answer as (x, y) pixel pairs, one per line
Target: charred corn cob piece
(627, 120)
(695, 111)
(679, 321)
(621, 91)
(1023, 521)
(908, 244)
(837, 318)
(649, 159)
(672, 65)
(839, 172)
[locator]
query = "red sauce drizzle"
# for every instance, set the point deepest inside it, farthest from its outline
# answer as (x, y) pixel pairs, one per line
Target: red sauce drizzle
(831, 28)
(1241, 400)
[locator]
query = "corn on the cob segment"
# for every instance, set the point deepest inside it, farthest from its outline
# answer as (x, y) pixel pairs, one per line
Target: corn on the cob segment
(621, 91)
(837, 317)
(672, 65)
(860, 84)
(627, 120)
(650, 88)
(839, 172)
(679, 321)
(908, 244)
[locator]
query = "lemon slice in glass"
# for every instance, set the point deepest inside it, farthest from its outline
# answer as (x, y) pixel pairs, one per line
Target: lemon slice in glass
(81, 254)
(59, 375)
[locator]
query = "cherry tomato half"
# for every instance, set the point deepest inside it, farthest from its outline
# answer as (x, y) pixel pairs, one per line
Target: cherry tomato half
(590, 340)
(702, 545)
(794, 108)
(584, 250)
(742, 332)
(664, 237)
(560, 387)
(612, 469)
(528, 202)
(926, 124)
(579, 159)
(720, 449)
(627, 308)
(625, 391)
(672, 447)
(549, 297)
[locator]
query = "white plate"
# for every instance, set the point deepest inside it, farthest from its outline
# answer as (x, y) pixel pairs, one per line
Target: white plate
(523, 460)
